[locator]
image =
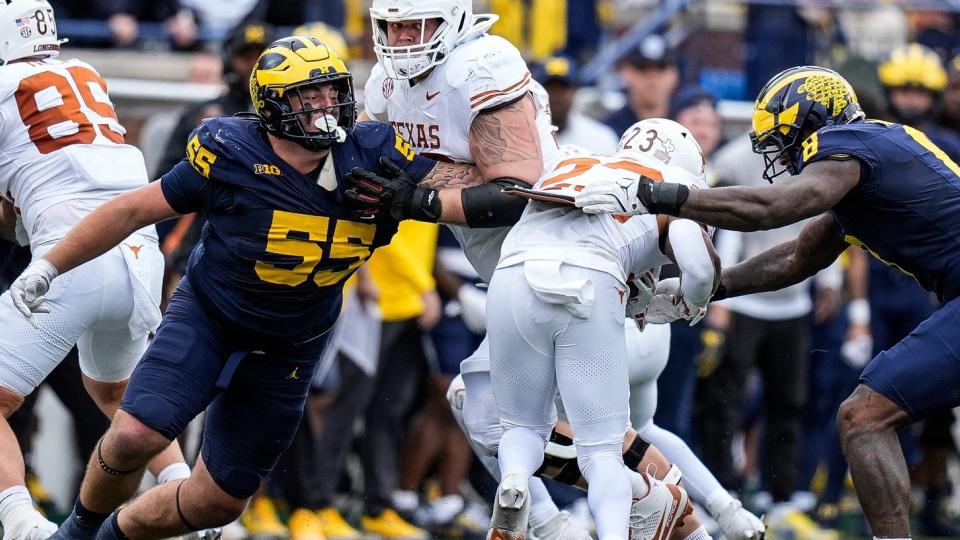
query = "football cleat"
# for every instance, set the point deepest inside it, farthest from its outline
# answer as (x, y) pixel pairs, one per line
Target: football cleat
(261, 520)
(511, 510)
(305, 525)
(559, 527)
(335, 527)
(655, 515)
(390, 526)
(792, 523)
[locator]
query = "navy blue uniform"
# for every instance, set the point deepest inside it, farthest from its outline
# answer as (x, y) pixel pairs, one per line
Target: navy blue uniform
(247, 324)
(906, 212)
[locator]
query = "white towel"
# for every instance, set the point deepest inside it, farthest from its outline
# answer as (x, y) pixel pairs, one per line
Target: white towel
(549, 284)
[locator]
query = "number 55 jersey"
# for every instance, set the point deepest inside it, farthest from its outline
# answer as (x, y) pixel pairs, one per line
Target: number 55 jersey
(278, 245)
(62, 150)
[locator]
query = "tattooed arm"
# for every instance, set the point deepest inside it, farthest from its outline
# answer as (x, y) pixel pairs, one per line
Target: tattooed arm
(504, 142)
(819, 244)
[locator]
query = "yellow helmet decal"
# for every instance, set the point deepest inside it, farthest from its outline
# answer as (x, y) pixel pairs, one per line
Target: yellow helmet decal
(764, 121)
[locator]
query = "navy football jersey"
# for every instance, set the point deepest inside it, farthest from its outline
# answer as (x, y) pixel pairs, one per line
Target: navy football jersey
(278, 245)
(906, 208)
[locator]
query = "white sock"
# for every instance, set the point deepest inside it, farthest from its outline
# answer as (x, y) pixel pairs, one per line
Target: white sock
(445, 508)
(697, 479)
(542, 507)
(174, 471)
(13, 497)
(405, 500)
(638, 486)
(520, 452)
(609, 492)
(12, 500)
(699, 534)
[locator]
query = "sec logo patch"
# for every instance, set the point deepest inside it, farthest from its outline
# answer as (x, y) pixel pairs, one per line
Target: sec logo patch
(387, 88)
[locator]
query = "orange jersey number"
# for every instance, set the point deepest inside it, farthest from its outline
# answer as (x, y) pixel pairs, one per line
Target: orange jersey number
(62, 120)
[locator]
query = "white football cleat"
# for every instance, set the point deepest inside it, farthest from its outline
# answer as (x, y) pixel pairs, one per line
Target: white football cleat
(28, 525)
(659, 512)
(560, 527)
(511, 510)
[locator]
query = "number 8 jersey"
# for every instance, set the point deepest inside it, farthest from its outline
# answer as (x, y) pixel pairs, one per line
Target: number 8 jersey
(62, 150)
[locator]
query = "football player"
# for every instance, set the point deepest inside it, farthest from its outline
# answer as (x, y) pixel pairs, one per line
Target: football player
(556, 309)
(247, 324)
(62, 154)
(465, 96)
(807, 122)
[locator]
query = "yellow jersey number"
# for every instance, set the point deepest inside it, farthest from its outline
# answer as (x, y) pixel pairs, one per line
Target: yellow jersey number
(315, 240)
(198, 156)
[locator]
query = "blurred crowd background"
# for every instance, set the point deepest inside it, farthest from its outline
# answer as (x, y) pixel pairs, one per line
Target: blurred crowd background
(754, 388)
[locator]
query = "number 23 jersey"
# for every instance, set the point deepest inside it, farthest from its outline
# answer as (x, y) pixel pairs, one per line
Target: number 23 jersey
(278, 245)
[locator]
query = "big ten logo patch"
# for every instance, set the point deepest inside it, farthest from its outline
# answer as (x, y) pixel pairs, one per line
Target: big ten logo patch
(261, 168)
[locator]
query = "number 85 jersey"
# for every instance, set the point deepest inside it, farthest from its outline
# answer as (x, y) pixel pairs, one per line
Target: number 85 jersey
(278, 245)
(62, 150)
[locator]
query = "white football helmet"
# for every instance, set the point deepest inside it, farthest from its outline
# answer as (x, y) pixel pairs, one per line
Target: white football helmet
(665, 141)
(27, 29)
(407, 62)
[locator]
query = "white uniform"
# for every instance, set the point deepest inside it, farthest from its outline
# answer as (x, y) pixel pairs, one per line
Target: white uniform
(555, 313)
(435, 115)
(567, 268)
(61, 156)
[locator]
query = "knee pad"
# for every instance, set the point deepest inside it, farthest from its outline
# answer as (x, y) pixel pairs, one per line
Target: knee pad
(635, 452)
(560, 460)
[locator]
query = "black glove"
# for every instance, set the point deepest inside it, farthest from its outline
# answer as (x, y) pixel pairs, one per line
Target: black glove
(395, 193)
(662, 197)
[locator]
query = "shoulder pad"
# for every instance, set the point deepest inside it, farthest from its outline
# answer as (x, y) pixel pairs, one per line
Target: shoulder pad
(220, 146)
(372, 134)
(489, 71)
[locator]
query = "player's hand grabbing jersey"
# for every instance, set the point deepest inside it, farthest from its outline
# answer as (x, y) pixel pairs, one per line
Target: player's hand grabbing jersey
(278, 245)
(615, 244)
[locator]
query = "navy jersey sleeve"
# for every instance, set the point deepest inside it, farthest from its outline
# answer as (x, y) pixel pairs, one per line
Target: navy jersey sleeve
(188, 191)
(385, 141)
(839, 142)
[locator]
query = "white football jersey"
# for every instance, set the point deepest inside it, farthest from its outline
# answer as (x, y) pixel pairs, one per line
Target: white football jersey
(617, 245)
(435, 115)
(62, 151)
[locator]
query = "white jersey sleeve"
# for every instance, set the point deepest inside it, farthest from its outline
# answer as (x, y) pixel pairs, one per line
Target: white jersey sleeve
(374, 102)
(491, 74)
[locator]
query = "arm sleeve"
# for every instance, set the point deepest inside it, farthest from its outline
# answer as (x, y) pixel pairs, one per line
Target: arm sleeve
(187, 191)
(697, 271)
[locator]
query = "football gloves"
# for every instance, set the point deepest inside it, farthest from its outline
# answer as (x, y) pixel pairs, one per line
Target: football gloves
(394, 193)
(669, 304)
(29, 289)
(631, 197)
